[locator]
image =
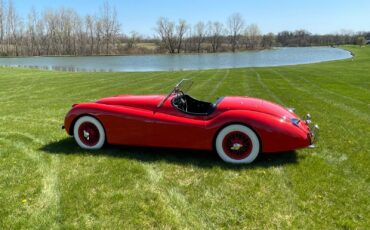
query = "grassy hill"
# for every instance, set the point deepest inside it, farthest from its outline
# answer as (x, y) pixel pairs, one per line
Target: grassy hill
(46, 181)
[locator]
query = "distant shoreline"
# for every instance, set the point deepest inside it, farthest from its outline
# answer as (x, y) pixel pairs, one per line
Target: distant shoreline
(170, 54)
(149, 54)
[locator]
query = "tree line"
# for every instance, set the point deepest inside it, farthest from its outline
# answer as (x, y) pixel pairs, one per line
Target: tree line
(65, 32)
(57, 32)
(213, 36)
(235, 35)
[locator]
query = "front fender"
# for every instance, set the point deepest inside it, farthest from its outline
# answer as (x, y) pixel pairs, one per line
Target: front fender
(77, 111)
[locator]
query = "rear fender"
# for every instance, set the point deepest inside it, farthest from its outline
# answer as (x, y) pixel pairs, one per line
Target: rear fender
(276, 134)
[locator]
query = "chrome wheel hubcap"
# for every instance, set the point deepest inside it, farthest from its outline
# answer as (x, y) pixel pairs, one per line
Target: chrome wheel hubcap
(236, 146)
(86, 135)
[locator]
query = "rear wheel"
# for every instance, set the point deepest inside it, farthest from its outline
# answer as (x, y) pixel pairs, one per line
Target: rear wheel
(237, 144)
(89, 133)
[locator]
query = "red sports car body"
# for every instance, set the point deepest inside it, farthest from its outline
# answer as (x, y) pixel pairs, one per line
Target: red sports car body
(238, 128)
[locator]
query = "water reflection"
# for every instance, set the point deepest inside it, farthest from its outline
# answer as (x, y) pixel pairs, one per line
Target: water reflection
(60, 68)
(274, 57)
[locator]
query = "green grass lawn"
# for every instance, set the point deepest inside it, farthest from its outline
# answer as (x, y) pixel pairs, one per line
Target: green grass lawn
(47, 182)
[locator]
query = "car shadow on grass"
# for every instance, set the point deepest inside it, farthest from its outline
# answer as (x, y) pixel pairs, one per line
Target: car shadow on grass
(196, 158)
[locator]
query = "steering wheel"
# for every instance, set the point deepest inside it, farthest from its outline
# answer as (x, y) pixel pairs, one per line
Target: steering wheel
(183, 105)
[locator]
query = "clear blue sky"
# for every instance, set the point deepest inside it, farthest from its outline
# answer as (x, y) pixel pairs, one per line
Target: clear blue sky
(324, 16)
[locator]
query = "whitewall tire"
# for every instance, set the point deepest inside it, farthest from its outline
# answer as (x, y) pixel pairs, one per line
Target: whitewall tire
(237, 144)
(89, 133)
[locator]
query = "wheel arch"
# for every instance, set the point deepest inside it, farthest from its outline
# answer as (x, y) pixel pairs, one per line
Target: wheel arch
(236, 123)
(70, 131)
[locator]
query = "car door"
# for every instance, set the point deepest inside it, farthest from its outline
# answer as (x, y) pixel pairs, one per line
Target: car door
(176, 129)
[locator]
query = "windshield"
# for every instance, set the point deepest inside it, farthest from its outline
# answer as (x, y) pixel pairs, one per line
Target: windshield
(183, 86)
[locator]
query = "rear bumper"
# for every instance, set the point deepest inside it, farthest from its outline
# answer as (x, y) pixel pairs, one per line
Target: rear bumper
(314, 131)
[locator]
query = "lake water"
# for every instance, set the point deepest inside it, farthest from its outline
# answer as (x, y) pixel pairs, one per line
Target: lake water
(273, 57)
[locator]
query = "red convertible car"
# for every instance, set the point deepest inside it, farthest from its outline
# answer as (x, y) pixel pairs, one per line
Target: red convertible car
(237, 128)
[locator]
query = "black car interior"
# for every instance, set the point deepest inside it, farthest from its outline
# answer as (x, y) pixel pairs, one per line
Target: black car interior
(187, 104)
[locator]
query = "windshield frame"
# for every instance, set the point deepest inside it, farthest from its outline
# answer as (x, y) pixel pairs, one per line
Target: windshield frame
(177, 89)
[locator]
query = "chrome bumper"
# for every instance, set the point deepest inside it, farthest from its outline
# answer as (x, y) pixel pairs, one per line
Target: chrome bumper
(314, 131)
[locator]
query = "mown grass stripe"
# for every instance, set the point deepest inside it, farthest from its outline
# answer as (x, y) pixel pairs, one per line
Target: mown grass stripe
(340, 105)
(322, 87)
(218, 84)
(266, 88)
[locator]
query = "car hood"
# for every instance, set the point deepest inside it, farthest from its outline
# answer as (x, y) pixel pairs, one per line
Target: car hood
(254, 104)
(144, 102)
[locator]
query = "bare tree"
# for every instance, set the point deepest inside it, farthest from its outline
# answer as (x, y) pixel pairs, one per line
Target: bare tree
(110, 25)
(235, 24)
(216, 31)
(50, 20)
(171, 35)
(181, 30)
(2, 19)
(31, 31)
(63, 37)
(165, 30)
(189, 41)
(12, 27)
(200, 34)
(133, 39)
(99, 36)
(90, 29)
(253, 37)
(21, 38)
(40, 38)
(77, 34)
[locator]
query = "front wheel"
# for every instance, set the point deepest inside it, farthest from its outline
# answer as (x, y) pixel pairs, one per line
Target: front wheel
(89, 133)
(237, 144)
